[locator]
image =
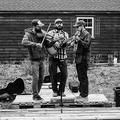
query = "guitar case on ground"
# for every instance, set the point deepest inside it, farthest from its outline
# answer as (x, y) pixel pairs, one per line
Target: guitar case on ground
(13, 89)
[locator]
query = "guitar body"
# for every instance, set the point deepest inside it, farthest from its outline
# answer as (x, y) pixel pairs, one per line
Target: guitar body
(52, 50)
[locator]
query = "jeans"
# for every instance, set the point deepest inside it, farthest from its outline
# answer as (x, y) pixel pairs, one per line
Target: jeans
(53, 64)
(38, 74)
(82, 68)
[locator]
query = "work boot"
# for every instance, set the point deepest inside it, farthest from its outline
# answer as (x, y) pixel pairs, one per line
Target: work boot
(81, 99)
(55, 94)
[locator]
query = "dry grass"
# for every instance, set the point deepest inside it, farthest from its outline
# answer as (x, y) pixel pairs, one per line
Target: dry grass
(102, 79)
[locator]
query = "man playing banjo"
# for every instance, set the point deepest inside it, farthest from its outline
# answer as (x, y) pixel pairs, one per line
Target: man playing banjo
(58, 59)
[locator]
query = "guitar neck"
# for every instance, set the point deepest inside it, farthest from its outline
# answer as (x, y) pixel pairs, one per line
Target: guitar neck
(69, 39)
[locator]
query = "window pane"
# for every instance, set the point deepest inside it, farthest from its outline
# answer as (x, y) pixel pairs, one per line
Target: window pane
(85, 20)
(89, 30)
(89, 22)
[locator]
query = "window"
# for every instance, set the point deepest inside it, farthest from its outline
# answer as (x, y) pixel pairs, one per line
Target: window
(89, 24)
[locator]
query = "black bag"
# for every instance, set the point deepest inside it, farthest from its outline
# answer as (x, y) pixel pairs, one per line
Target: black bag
(74, 86)
(13, 88)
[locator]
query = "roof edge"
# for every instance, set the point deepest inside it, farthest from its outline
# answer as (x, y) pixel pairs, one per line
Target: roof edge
(59, 12)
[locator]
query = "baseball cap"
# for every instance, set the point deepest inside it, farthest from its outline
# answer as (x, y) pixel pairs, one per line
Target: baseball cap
(58, 20)
(79, 23)
(37, 22)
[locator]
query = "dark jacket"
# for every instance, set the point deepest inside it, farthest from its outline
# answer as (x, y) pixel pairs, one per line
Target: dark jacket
(29, 40)
(83, 48)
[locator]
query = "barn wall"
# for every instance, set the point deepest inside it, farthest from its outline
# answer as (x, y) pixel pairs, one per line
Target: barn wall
(106, 41)
(12, 31)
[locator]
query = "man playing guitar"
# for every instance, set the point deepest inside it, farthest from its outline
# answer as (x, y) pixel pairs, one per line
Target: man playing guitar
(58, 59)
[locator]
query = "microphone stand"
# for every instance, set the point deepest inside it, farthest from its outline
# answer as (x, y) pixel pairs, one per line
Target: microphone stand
(61, 100)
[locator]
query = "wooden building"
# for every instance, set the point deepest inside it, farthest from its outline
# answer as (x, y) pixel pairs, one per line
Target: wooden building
(102, 18)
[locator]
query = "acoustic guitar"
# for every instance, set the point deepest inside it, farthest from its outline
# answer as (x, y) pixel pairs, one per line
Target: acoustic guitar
(52, 50)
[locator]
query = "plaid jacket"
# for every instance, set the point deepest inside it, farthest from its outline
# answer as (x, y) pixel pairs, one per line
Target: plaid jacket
(56, 35)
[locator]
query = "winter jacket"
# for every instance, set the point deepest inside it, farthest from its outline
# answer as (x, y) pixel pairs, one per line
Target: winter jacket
(30, 40)
(83, 48)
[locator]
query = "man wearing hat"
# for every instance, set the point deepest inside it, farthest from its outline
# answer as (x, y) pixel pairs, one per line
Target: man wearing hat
(83, 40)
(58, 60)
(32, 40)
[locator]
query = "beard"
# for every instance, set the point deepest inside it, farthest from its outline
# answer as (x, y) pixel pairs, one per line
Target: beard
(59, 27)
(40, 35)
(38, 30)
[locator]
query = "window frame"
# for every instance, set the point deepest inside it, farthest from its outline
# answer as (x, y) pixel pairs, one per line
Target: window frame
(92, 27)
